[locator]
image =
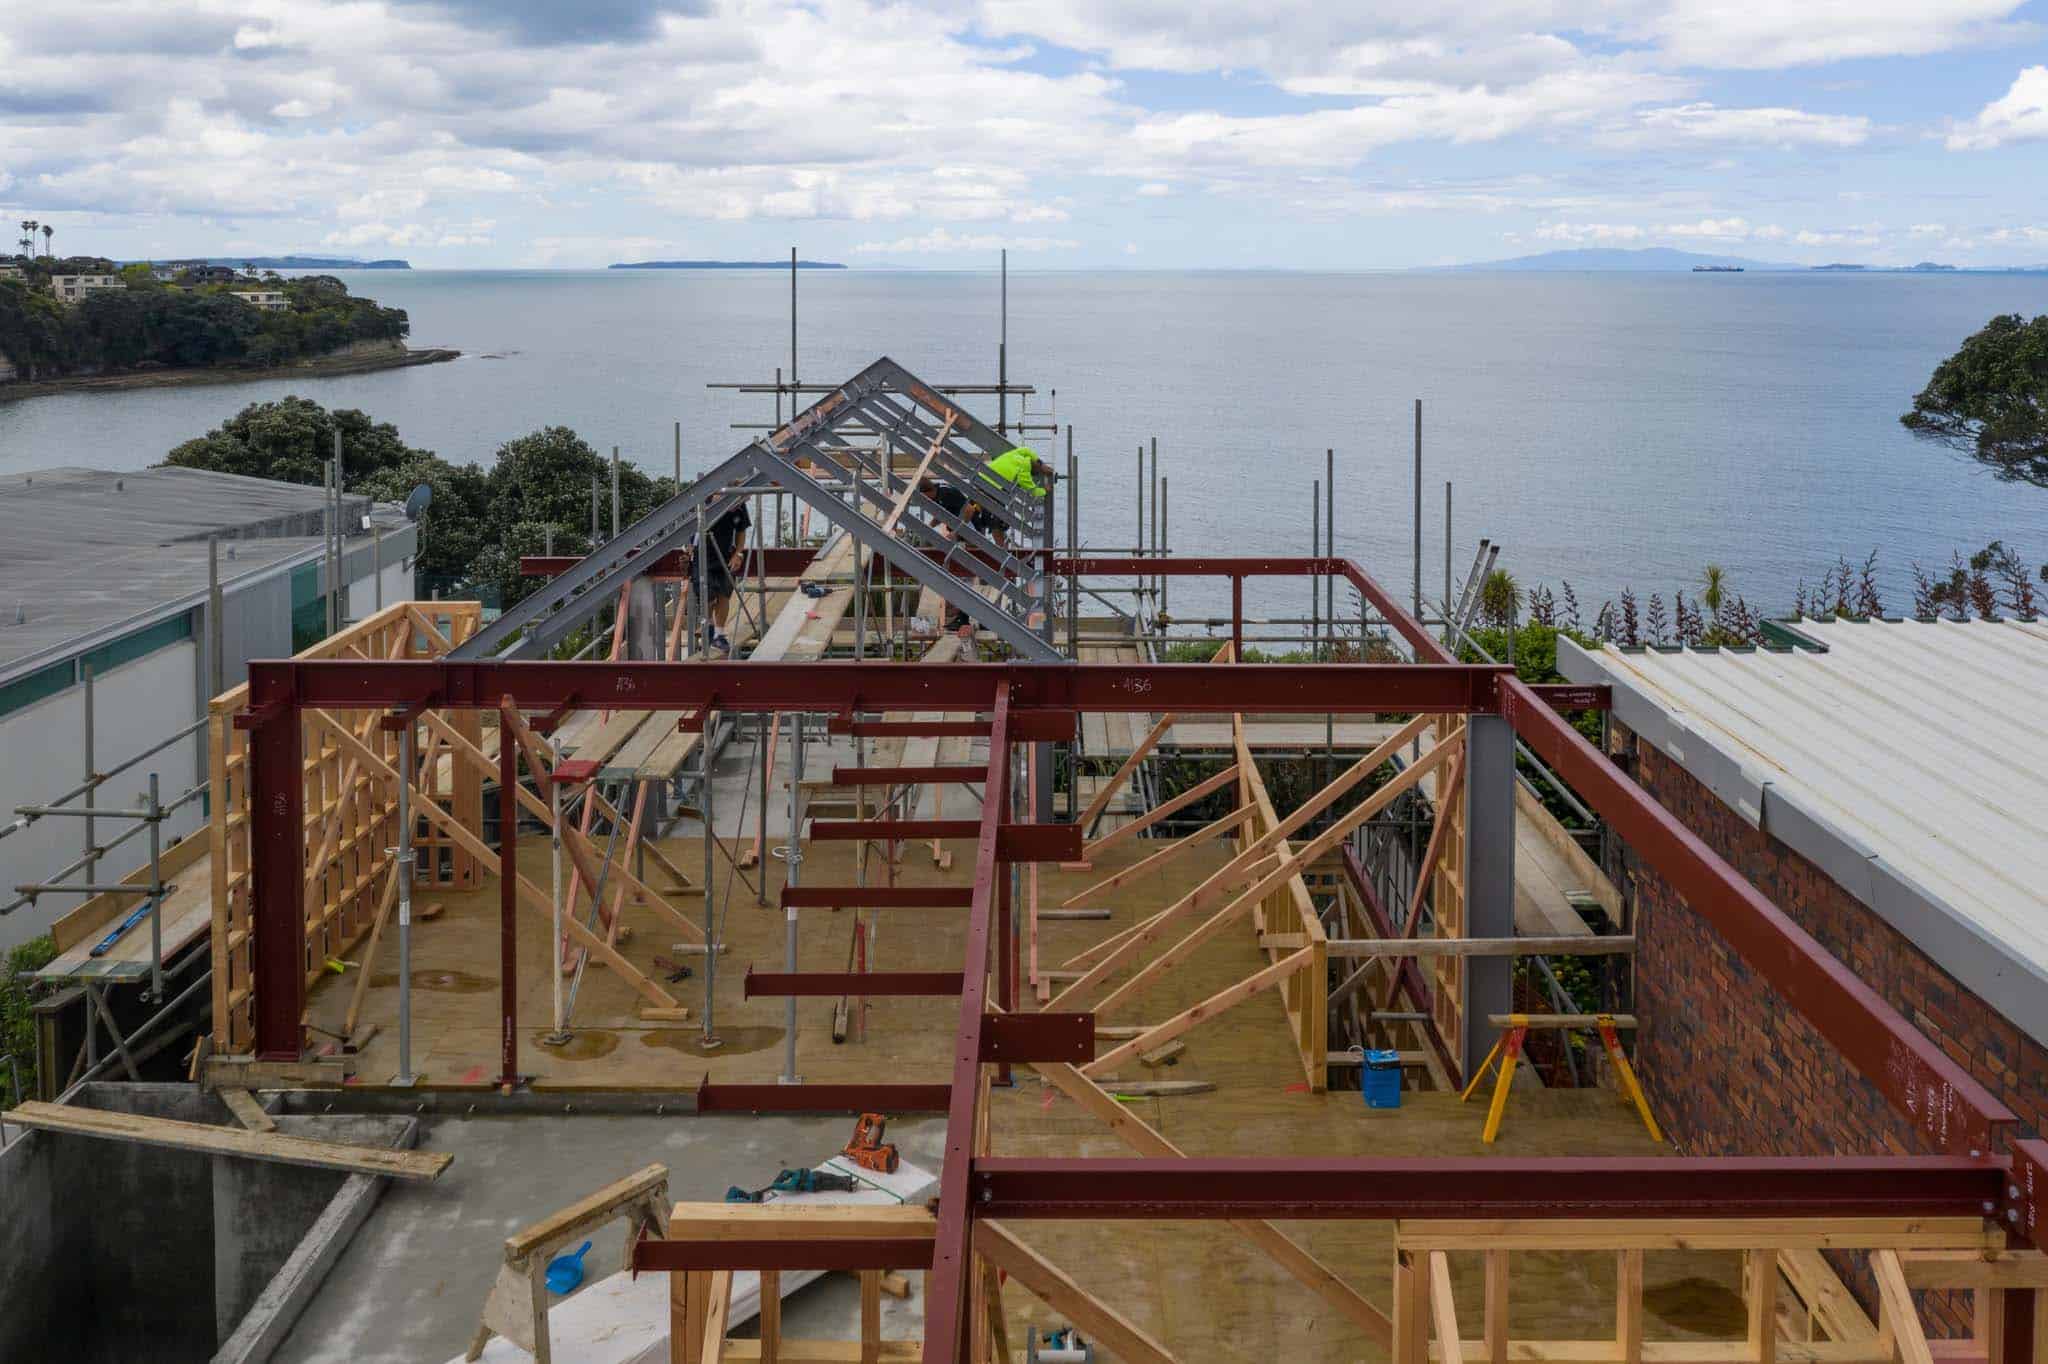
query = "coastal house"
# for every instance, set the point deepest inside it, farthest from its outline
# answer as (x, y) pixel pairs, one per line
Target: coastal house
(200, 273)
(71, 288)
(269, 300)
(9, 271)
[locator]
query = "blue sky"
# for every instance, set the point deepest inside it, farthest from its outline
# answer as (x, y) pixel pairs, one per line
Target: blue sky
(1079, 134)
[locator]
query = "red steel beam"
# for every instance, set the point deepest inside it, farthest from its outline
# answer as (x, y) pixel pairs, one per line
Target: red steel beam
(945, 1310)
(2026, 1195)
(1279, 688)
(1017, 1038)
(1015, 842)
(1385, 1188)
(1953, 1111)
(837, 983)
(1568, 696)
(877, 897)
(898, 1252)
(822, 1098)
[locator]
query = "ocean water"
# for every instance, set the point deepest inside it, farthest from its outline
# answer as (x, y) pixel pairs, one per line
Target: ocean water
(1606, 429)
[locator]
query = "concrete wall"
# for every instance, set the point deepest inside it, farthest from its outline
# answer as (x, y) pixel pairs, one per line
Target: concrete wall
(1733, 1068)
(116, 1251)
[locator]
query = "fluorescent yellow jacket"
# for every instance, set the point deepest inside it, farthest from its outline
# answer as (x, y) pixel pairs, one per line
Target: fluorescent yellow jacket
(1014, 466)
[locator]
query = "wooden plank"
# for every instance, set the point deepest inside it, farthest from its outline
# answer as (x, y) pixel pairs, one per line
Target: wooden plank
(797, 1222)
(821, 1352)
(229, 1141)
(1576, 946)
(1206, 787)
(247, 1111)
(1833, 1307)
(1719, 1233)
(1685, 1352)
(1443, 1310)
(1623, 1021)
(596, 1207)
(1123, 773)
(1975, 1269)
(1496, 1343)
(1897, 1317)
(246, 1072)
(1219, 1003)
(1051, 1285)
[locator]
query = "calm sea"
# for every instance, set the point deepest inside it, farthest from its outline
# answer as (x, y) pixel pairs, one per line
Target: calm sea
(1605, 429)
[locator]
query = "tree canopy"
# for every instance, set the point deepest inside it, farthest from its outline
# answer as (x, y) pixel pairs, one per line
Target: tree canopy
(480, 520)
(150, 323)
(1990, 400)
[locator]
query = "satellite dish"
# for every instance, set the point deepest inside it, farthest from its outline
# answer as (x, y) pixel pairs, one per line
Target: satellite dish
(418, 500)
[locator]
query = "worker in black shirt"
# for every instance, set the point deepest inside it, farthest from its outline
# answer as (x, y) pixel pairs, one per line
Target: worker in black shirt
(728, 536)
(955, 502)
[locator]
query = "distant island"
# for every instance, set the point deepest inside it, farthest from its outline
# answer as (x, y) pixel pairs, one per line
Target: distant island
(724, 265)
(1617, 258)
(288, 262)
(1664, 258)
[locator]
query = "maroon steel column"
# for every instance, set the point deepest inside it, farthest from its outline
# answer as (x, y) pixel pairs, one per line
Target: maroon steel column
(277, 865)
(945, 1308)
(2019, 1328)
(1237, 617)
(1006, 946)
(508, 895)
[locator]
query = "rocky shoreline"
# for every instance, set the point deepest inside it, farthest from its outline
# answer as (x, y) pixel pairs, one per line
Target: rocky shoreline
(324, 368)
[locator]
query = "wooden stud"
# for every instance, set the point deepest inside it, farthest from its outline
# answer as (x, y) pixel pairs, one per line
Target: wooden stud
(870, 1316)
(1628, 1305)
(229, 1141)
(1497, 1307)
(771, 1315)
(1897, 1317)
(247, 1111)
(1760, 1297)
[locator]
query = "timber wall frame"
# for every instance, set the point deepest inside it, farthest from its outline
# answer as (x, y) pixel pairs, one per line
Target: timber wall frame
(1972, 1176)
(351, 817)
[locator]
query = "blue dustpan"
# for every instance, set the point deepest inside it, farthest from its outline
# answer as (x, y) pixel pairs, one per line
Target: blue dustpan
(566, 1271)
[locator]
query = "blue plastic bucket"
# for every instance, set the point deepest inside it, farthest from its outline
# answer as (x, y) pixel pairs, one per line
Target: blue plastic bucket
(1381, 1079)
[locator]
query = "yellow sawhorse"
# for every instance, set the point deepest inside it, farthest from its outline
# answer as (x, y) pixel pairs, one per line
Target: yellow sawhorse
(1507, 1051)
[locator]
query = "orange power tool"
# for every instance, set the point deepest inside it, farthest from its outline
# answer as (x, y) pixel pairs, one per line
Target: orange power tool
(867, 1149)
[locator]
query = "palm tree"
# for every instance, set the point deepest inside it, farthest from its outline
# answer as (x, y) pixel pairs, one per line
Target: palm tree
(1713, 588)
(1500, 596)
(28, 237)
(48, 232)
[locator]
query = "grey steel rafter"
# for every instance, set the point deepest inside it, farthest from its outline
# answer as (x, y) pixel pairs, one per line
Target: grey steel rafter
(997, 589)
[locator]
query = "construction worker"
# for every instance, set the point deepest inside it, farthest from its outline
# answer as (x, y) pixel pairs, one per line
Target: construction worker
(957, 504)
(1020, 467)
(719, 569)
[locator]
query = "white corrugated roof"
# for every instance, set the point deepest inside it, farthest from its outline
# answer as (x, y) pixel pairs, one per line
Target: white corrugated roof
(1910, 760)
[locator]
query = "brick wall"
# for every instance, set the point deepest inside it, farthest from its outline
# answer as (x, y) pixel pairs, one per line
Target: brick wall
(1733, 1069)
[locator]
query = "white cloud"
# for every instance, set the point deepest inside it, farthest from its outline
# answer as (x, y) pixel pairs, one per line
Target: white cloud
(1771, 127)
(1746, 33)
(1717, 229)
(940, 241)
(1927, 229)
(1130, 248)
(1595, 234)
(2020, 115)
(1154, 189)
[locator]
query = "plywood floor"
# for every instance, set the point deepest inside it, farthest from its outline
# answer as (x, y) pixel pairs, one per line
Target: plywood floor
(1194, 1286)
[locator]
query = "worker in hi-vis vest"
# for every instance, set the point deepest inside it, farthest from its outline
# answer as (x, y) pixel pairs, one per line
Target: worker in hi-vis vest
(1021, 468)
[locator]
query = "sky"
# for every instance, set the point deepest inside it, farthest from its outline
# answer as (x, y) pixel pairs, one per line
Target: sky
(1079, 134)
